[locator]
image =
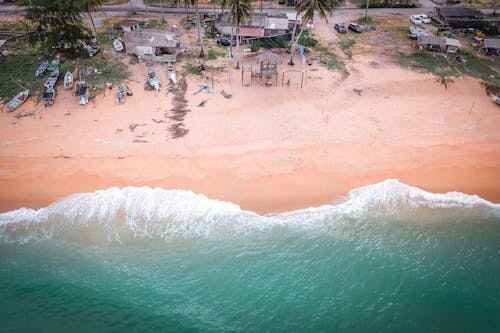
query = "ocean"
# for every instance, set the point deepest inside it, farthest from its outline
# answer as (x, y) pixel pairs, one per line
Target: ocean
(387, 258)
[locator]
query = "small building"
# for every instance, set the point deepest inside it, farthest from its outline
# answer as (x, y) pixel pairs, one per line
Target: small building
(438, 44)
(129, 25)
(153, 45)
(491, 47)
(464, 18)
(258, 26)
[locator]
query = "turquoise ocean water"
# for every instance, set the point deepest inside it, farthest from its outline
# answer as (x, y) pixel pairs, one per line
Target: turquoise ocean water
(387, 258)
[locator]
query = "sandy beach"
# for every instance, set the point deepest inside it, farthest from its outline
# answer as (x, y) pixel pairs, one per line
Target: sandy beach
(268, 149)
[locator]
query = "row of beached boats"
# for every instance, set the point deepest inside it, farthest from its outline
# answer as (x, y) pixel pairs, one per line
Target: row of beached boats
(154, 79)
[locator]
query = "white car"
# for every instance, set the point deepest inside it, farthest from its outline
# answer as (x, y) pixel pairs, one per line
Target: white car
(415, 19)
(424, 18)
(309, 25)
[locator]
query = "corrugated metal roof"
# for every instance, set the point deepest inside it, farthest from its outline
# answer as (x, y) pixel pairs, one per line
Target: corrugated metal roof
(246, 31)
(151, 37)
(492, 43)
(451, 12)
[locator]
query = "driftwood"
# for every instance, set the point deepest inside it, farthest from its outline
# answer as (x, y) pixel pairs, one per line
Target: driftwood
(225, 94)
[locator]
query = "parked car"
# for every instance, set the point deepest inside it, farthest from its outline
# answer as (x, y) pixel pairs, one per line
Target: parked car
(415, 19)
(309, 25)
(415, 32)
(340, 28)
(225, 41)
(424, 18)
(355, 27)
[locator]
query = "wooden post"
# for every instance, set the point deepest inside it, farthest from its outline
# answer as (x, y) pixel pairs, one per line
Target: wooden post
(282, 79)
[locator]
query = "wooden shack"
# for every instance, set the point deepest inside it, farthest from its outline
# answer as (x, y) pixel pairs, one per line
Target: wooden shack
(153, 45)
(438, 44)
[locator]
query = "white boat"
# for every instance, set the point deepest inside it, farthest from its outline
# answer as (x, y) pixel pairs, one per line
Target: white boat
(52, 79)
(42, 68)
(82, 93)
(117, 44)
(18, 100)
(172, 76)
(153, 79)
(49, 96)
(68, 80)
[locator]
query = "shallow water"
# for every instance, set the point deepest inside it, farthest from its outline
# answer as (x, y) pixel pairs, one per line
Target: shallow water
(389, 258)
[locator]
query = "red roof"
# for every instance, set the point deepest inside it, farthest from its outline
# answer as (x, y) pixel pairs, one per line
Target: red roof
(248, 31)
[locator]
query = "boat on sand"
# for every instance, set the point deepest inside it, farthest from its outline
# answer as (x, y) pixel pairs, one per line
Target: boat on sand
(18, 100)
(153, 79)
(68, 80)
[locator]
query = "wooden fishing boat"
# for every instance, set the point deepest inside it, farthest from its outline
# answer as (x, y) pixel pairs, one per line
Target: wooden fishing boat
(42, 68)
(49, 96)
(68, 80)
(52, 79)
(18, 100)
(82, 93)
(120, 94)
(153, 79)
(171, 74)
(54, 64)
(117, 44)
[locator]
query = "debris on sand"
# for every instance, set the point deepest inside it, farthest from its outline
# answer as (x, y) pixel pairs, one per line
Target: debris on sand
(179, 109)
(158, 121)
(202, 103)
(358, 91)
(132, 126)
(225, 94)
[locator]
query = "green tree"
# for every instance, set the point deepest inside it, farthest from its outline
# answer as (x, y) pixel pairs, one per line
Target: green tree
(187, 4)
(308, 8)
(240, 10)
(57, 25)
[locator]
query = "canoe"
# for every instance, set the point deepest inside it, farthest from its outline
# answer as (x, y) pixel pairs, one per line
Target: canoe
(52, 79)
(153, 79)
(54, 64)
(18, 100)
(49, 96)
(82, 93)
(171, 74)
(117, 44)
(42, 68)
(68, 80)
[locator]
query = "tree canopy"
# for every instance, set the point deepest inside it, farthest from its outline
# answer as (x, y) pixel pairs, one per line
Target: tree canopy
(57, 24)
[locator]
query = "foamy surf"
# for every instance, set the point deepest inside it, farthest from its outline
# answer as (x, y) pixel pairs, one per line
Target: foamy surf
(141, 212)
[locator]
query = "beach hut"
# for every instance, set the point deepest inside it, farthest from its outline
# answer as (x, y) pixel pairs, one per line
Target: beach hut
(153, 45)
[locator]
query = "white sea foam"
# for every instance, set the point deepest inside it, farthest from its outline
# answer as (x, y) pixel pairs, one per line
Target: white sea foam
(141, 212)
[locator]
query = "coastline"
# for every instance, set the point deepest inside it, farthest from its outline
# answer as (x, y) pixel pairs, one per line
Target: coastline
(266, 149)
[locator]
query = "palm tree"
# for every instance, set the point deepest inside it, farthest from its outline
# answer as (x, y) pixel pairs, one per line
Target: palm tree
(90, 6)
(240, 10)
(187, 4)
(308, 8)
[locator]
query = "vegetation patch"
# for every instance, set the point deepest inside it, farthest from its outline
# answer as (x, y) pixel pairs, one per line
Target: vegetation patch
(347, 45)
(482, 68)
(330, 60)
(368, 20)
(215, 52)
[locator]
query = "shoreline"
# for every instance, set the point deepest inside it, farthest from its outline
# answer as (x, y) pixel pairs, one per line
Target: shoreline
(266, 149)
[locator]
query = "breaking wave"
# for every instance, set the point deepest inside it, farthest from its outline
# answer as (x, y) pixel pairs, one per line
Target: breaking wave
(141, 212)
